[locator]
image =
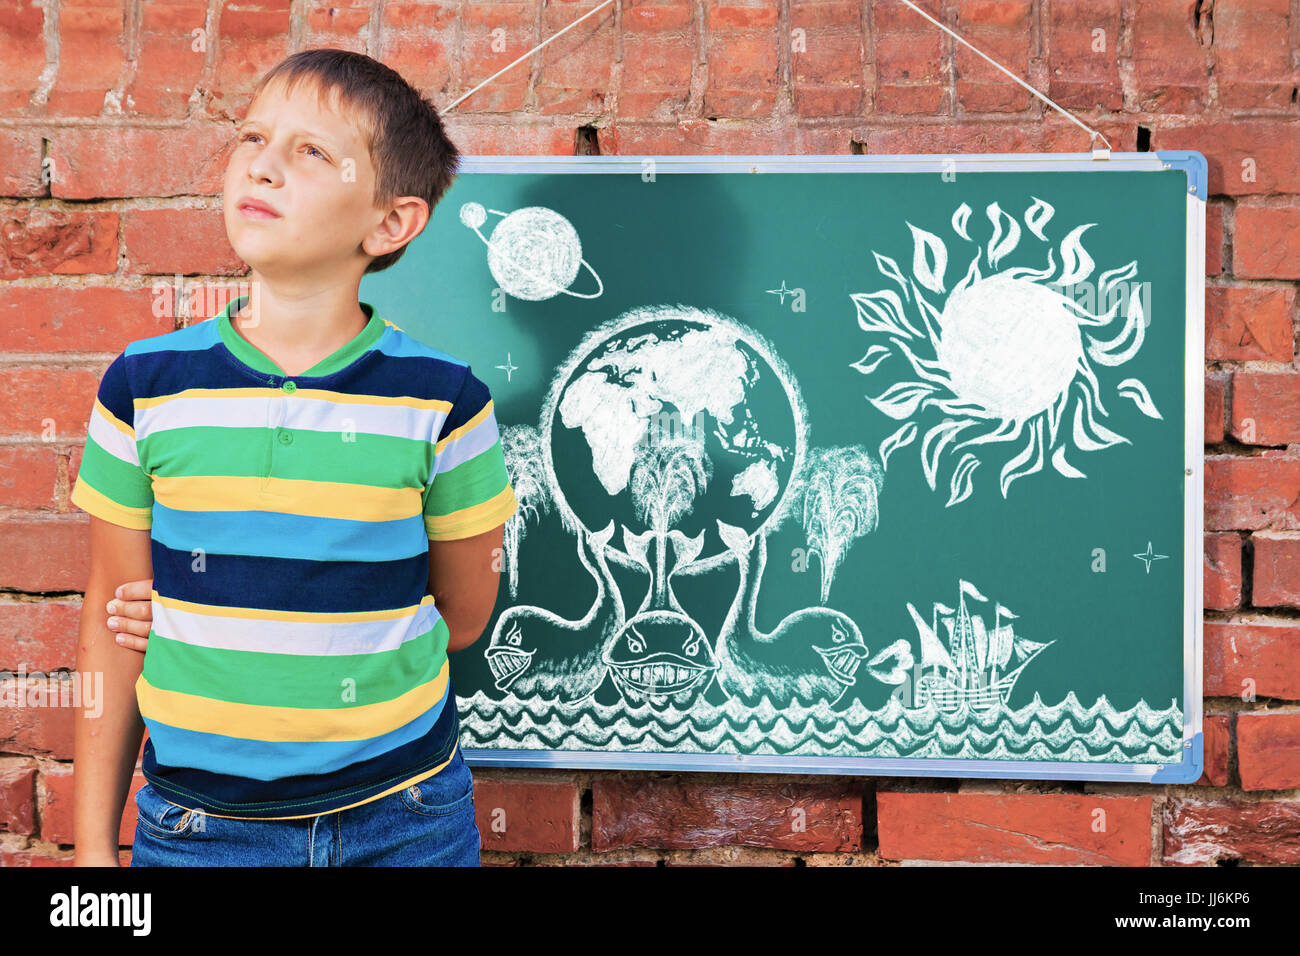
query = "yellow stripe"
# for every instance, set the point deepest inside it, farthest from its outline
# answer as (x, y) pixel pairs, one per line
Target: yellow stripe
(287, 724)
(113, 420)
(340, 398)
(465, 429)
(300, 496)
(315, 617)
(101, 506)
(423, 775)
(471, 521)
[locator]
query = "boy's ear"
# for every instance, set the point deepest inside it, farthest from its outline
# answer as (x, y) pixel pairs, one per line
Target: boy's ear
(405, 221)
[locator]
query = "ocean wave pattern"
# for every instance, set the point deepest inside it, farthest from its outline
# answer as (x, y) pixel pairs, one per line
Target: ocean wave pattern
(1064, 732)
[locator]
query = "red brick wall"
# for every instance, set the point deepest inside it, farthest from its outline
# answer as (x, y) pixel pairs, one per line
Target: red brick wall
(112, 118)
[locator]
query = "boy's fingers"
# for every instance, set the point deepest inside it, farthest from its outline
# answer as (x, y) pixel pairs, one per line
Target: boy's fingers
(132, 642)
(139, 610)
(127, 626)
(141, 590)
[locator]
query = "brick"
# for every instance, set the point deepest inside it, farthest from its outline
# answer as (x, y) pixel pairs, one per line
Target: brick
(576, 72)
(1044, 828)
(1266, 242)
(1170, 66)
(675, 813)
(534, 816)
(414, 38)
(22, 54)
(37, 241)
(184, 241)
(700, 137)
(1083, 54)
(342, 24)
(1252, 493)
(1198, 833)
(41, 731)
(1244, 156)
(254, 36)
(92, 56)
(743, 74)
(1222, 577)
(105, 162)
(170, 63)
(1216, 739)
(17, 796)
(976, 136)
(999, 28)
(29, 475)
(1253, 55)
(1215, 409)
(1249, 323)
(20, 163)
(1276, 580)
(63, 318)
(39, 635)
(1266, 407)
(1250, 660)
(1268, 751)
(910, 59)
(1214, 238)
(38, 554)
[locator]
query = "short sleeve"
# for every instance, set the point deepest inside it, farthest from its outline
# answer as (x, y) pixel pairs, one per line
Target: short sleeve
(470, 490)
(110, 482)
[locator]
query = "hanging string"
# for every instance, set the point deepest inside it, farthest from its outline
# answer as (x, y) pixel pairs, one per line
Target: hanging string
(445, 110)
(1093, 133)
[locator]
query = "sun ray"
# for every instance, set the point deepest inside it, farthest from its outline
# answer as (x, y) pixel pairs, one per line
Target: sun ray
(1013, 470)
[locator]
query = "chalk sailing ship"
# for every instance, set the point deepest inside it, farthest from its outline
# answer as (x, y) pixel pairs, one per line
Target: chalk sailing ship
(972, 668)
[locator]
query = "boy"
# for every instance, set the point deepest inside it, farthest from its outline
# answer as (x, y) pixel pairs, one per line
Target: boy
(317, 497)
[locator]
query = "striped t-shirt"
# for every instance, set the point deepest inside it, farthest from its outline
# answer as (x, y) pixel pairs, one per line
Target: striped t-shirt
(296, 664)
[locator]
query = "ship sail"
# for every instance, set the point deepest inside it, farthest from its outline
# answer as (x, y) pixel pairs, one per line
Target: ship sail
(981, 641)
(932, 652)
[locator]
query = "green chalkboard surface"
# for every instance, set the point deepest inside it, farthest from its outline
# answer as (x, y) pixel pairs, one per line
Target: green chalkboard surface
(883, 465)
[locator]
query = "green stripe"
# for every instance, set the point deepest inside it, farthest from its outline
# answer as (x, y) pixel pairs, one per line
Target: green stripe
(468, 484)
(246, 352)
(382, 461)
(114, 478)
(295, 680)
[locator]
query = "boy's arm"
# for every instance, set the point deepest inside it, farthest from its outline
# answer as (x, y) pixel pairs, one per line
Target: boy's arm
(106, 745)
(463, 578)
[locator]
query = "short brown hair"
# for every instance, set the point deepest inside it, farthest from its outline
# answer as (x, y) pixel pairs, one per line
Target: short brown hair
(409, 148)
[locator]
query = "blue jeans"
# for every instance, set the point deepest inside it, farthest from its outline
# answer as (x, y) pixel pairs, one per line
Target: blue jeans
(429, 824)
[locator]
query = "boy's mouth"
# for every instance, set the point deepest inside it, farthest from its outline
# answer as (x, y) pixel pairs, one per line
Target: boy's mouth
(255, 209)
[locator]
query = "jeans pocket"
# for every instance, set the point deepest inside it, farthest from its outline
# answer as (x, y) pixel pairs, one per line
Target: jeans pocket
(450, 790)
(160, 816)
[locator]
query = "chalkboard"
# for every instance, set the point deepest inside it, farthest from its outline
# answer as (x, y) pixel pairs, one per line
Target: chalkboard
(833, 464)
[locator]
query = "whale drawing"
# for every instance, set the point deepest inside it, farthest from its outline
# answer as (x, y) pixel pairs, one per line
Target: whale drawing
(812, 654)
(534, 651)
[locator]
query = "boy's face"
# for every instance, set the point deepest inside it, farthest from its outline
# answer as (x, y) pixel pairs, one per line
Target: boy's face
(311, 166)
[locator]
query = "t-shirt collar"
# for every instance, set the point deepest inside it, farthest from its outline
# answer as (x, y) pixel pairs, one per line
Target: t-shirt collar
(246, 353)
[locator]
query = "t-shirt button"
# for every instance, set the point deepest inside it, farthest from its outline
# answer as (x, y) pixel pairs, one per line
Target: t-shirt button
(289, 386)
(286, 438)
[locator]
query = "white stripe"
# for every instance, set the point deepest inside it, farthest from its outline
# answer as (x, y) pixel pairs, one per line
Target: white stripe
(291, 637)
(291, 411)
(483, 436)
(110, 438)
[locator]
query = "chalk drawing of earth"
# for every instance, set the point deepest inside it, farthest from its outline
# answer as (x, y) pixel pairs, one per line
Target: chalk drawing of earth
(672, 417)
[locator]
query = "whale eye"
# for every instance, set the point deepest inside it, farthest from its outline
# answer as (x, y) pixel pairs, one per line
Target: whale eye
(515, 636)
(692, 646)
(838, 633)
(634, 645)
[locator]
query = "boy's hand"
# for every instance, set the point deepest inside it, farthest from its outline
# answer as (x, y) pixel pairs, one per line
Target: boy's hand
(133, 610)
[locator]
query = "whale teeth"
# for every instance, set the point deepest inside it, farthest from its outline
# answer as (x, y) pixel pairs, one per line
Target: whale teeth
(659, 676)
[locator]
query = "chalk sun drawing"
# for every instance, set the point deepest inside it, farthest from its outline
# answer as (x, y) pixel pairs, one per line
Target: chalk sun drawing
(1006, 353)
(534, 253)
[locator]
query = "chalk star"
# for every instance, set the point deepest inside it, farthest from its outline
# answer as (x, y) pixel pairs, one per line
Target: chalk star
(1149, 556)
(508, 367)
(782, 292)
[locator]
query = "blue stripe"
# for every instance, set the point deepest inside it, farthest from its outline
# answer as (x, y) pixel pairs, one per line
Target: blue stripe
(302, 537)
(287, 584)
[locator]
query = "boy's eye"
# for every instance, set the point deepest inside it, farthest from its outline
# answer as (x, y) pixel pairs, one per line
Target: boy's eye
(316, 151)
(245, 137)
